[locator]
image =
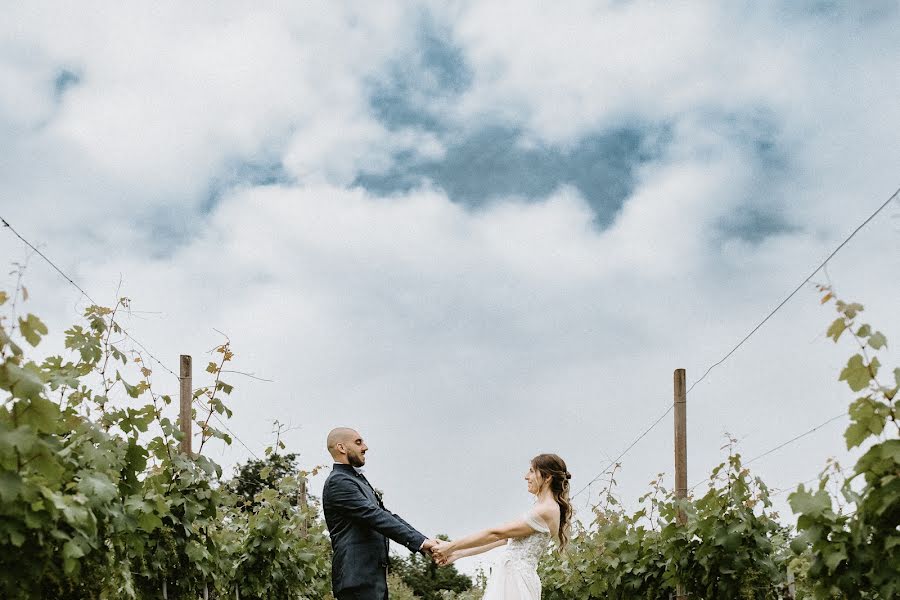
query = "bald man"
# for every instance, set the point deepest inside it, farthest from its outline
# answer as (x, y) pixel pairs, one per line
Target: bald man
(359, 524)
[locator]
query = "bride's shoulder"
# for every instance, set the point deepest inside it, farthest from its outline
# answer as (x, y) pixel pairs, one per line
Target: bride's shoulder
(547, 512)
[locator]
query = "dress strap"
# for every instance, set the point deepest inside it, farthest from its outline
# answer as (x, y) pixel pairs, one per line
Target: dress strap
(535, 522)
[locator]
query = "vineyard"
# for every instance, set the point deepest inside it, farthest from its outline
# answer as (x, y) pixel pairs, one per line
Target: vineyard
(98, 501)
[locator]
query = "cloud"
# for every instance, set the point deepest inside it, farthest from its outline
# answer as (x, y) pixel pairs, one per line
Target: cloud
(473, 233)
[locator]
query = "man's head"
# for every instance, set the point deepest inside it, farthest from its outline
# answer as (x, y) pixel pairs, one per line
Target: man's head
(346, 446)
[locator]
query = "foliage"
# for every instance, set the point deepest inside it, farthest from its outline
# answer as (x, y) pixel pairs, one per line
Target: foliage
(426, 579)
(856, 554)
(96, 500)
(256, 475)
(730, 546)
(397, 590)
(727, 547)
(473, 593)
(276, 549)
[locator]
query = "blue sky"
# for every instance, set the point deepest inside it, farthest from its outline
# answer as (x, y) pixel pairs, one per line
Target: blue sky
(474, 233)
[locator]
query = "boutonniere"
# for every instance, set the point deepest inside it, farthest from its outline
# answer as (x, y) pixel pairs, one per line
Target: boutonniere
(379, 494)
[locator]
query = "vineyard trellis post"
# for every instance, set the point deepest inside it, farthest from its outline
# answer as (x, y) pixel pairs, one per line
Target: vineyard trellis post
(304, 504)
(680, 451)
(186, 396)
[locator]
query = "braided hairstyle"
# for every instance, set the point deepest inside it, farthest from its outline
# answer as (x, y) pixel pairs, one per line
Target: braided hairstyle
(553, 470)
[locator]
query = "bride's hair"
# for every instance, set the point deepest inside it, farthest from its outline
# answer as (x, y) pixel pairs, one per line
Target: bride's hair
(553, 469)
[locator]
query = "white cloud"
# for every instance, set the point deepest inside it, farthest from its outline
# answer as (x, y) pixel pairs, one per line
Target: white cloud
(463, 341)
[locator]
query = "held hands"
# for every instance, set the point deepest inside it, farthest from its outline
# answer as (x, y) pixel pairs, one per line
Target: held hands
(442, 553)
(427, 546)
(439, 551)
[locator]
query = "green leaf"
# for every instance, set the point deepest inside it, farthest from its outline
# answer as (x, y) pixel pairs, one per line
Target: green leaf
(5, 340)
(864, 331)
(869, 418)
(149, 522)
(97, 487)
(856, 373)
(850, 310)
(3, 298)
(836, 328)
(42, 415)
(16, 538)
(877, 340)
(834, 558)
(72, 550)
(10, 486)
(32, 329)
(799, 544)
(22, 439)
(22, 382)
(132, 390)
(856, 434)
(806, 503)
(47, 466)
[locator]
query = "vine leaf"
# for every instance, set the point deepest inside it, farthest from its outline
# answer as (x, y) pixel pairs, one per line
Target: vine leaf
(837, 328)
(32, 329)
(10, 486)
(810, 504)
(877, 340)
(835, 558)
(868, 419)
(857, 373)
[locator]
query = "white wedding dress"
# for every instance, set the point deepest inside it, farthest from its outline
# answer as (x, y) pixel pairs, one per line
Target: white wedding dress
(515, 577)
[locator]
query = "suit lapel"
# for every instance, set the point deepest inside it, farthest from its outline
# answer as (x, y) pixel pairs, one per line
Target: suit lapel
(367, 488)
(371, 490)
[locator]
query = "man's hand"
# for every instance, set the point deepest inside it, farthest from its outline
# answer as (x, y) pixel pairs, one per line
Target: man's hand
(427, 546)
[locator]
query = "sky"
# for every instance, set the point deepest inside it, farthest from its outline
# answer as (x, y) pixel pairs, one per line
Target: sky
(474, 231)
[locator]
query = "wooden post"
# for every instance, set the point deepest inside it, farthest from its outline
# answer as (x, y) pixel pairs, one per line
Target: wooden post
(680, 451)
(186, 397)
(304, 505)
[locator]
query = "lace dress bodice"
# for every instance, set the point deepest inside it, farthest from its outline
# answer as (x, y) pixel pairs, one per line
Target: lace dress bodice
(525, 552)
(514, 577)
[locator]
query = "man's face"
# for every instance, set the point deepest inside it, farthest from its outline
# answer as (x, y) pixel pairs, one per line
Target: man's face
(355, 449)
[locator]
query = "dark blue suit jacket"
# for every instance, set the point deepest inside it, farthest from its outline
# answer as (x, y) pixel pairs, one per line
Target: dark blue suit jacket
(360, 528)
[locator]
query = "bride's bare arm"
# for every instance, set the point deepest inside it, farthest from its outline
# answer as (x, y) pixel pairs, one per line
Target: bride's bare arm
(456, 555)
(514, 529)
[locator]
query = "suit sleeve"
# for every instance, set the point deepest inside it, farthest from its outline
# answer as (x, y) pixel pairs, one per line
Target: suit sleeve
(411, 528)
(352, 502)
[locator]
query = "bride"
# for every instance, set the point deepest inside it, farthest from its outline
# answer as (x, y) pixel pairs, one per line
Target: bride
(527, 539)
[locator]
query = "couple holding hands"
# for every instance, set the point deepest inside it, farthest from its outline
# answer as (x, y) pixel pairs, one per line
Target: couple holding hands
(360, 528)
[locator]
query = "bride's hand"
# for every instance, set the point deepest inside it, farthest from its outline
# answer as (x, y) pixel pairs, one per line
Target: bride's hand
(445, 562)
(441, 551)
